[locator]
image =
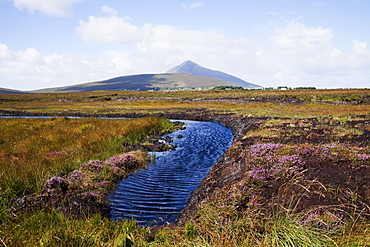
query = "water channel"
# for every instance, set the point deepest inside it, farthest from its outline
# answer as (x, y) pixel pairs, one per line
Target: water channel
(156, 195)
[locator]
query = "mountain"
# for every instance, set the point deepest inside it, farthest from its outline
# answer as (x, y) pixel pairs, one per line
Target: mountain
(189, 67)
(143, 82)
(187, 75)
(10, 91)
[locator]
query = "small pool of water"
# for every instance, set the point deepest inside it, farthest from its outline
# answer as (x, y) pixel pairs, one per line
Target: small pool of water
(157, 194)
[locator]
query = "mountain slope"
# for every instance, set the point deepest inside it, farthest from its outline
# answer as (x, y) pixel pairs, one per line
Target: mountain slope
(189, 67)
(10, 91)
(143, 82)
(188, 75)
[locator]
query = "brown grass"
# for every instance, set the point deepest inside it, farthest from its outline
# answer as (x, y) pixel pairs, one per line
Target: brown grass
(33, 150)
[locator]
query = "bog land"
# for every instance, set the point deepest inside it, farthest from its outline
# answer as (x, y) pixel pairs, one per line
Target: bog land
(297, 173)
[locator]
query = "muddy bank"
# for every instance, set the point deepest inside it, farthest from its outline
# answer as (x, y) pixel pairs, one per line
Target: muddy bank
(59, 193)
(323, 162)
(335, 178)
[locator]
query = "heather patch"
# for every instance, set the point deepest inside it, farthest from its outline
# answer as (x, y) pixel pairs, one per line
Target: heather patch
(300, 211)
(327, 220)
(101, 176)
(83, 191)
(281, 197)
(60, 163)
(33, 150)
(284, 175)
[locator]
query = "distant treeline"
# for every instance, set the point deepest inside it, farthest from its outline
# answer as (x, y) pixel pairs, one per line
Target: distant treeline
(305, 88)
(236, 88)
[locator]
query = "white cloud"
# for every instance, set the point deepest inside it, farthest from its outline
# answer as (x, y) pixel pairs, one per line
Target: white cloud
(294, 55)
(162, 46)
(109, 29)
(28, 69)
(278, 14)
(51, 7)
(301, 54)
(192, 5)
(319, 3)
(359, 47)
(304, 49)
(5, 52)
(360, 56)
(108, 10)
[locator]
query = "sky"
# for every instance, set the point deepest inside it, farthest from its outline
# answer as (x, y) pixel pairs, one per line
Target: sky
(294, 43)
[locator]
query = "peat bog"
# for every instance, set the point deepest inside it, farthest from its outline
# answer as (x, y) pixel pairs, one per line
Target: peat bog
(297, 171)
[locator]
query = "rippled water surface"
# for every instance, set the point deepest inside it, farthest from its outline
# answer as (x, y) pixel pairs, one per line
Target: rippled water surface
(156, 195)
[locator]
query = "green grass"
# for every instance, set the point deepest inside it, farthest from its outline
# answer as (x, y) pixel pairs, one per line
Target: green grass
(213, 227)
(54, 229)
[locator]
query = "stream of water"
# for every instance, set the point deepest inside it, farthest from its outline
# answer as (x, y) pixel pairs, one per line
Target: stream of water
(156, 195)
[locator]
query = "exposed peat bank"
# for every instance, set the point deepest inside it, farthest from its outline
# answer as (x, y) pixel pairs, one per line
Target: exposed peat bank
(320, 166)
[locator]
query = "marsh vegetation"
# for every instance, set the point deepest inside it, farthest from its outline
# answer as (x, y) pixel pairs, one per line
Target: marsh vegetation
(300, 136)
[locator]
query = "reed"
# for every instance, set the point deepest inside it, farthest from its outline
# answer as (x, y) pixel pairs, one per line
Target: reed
(54, 229)
(310, 95)
(310, 103)
(34, 150)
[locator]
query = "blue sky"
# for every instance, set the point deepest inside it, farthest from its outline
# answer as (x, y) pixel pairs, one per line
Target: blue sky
(320, 43)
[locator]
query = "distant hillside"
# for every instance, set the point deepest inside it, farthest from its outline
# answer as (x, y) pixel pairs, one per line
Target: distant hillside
(143, 82)
(10, 91)
(189, 67)
(187, 75)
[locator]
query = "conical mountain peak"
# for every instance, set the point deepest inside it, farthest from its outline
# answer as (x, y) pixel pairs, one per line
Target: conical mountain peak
(186, 67)
(189, 67)
(189, 63)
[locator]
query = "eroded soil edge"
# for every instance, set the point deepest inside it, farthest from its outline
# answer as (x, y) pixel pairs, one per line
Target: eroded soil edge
(334, 162)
